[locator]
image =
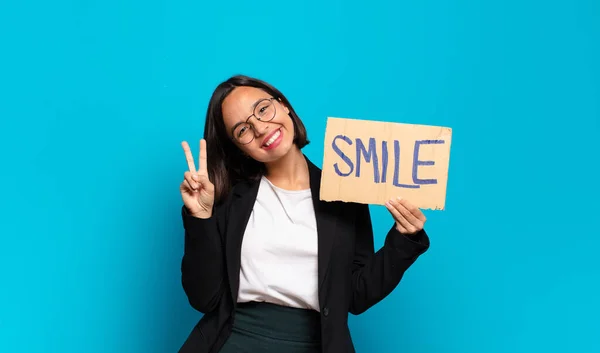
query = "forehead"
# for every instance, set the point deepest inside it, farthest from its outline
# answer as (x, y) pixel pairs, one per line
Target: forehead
(239, 103)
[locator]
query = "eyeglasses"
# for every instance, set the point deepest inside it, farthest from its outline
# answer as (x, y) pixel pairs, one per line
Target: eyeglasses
(264, 111)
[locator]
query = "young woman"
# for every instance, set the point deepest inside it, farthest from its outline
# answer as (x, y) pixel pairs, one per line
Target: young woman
(271, 267)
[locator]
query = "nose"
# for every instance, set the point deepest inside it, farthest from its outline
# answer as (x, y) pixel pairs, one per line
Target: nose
(259, 127)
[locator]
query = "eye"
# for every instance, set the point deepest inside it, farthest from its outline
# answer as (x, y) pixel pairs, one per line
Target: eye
(242, 130)
(264, 109)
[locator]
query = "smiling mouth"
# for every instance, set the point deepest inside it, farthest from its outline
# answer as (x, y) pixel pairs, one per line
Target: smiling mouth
(272, 139)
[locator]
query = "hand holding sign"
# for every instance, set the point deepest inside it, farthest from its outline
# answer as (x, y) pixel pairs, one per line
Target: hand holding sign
(197, 192)
(409, 218)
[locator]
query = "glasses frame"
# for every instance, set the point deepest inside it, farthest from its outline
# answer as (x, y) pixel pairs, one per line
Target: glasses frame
(257, 118)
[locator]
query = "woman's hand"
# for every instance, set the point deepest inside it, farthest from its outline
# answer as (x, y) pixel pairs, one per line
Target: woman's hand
(409, 218)
(197, 192)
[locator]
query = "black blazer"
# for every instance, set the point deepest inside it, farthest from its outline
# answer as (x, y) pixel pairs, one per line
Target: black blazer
(352, 276)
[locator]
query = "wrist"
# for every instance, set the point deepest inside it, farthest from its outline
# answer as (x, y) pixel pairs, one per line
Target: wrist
(198, 214)
(404, 231)
(202, 215)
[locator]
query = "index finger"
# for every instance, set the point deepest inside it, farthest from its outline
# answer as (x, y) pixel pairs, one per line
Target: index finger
(203, 155)
(188, 156)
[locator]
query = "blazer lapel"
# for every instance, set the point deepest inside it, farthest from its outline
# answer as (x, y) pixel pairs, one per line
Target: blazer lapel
(326, 214)
(241, 208)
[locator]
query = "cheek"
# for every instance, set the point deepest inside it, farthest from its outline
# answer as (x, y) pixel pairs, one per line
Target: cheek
(252, 148)
(290, 128)
(286, 121)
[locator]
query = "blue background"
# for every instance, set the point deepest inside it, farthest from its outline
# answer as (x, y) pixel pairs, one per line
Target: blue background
(96, 96)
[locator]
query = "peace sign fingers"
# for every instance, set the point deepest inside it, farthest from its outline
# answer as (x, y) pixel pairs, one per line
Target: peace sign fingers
(196, 189)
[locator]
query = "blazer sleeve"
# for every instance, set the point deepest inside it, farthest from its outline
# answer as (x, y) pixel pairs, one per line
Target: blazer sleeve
(376, 274)
(203, 262)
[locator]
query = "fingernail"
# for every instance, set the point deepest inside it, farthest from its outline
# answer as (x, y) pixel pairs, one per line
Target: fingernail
(195, 177)
(399, 198)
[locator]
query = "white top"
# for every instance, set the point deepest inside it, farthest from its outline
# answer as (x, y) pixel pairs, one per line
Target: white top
(279, 261)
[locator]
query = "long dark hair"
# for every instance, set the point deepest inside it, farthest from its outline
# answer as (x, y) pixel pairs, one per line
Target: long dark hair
(227, 165)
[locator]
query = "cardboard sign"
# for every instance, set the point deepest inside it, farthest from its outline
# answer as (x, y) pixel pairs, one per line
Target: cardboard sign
(372, 162)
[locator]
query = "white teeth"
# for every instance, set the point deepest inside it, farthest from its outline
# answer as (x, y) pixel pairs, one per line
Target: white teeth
(273, 138)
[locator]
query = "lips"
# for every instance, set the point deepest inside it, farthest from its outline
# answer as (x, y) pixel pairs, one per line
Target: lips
(272, 137)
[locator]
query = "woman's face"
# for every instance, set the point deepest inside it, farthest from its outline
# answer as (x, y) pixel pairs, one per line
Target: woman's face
(259, 124)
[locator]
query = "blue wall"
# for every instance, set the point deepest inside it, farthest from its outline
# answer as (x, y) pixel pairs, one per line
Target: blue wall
(95, 97)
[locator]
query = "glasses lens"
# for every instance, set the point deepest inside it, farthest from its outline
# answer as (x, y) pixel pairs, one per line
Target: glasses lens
(243, 133)
(265, 110)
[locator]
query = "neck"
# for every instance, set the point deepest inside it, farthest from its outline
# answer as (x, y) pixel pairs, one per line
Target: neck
(289, 172)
